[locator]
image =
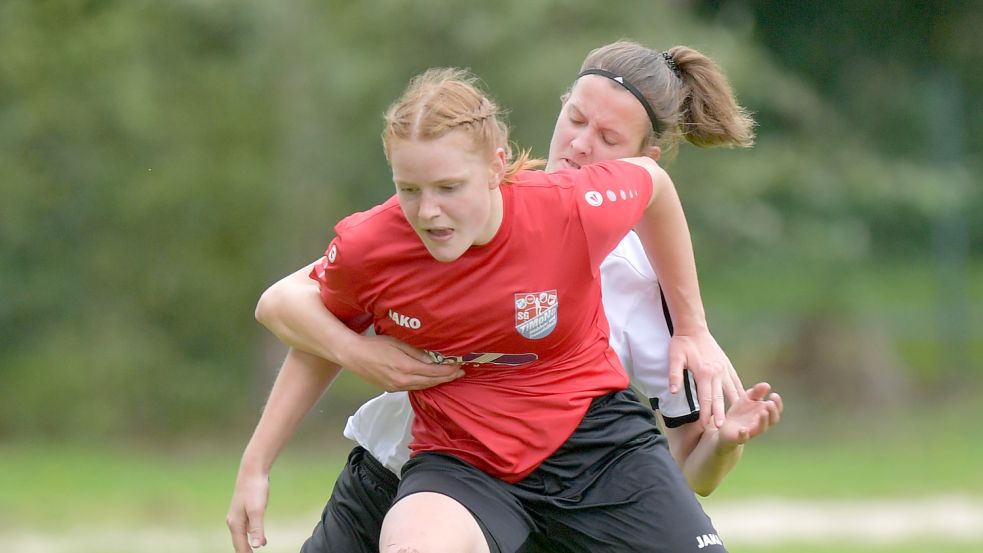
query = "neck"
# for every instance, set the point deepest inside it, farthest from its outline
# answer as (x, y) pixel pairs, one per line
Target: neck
(495, 216)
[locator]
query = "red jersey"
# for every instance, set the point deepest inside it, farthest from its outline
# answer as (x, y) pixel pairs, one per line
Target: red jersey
(522, 313)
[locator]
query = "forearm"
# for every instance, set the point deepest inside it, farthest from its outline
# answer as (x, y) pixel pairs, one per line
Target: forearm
(292, 310)
(300, 383)
(666, 238)
(709, 462)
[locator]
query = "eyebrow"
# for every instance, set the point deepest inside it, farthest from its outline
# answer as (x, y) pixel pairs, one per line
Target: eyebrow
(604, 130)
(441, 182)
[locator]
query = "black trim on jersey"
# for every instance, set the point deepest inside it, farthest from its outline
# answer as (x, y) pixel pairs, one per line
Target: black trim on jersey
(688, 384)
(687, 378)
(665, 310)
(675, 422)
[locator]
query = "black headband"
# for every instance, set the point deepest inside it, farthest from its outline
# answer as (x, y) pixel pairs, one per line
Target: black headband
(656, 125)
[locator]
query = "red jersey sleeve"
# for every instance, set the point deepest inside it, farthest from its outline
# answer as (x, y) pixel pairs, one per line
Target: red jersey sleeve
(610, 197)
(338, 283)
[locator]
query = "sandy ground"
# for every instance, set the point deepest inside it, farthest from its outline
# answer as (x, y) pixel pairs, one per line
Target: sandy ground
(950, 519)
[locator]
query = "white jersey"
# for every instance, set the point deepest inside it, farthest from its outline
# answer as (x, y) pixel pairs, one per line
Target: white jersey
(639, 335)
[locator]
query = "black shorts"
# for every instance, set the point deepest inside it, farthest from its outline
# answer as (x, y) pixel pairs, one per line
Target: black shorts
(612, 487)
(352, 519)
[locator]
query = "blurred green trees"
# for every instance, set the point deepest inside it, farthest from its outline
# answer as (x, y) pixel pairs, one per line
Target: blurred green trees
(162, 163)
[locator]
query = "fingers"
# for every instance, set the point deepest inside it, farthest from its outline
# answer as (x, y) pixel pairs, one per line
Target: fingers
(731, 393)
(237, 526)
(257, 537)
(675, 373)
(402, 367)
(778, 401)
(758, 391)
(735, 380)
(712, 401)
(774, 409)
(706, 399)
(719, 409)
(419, 376)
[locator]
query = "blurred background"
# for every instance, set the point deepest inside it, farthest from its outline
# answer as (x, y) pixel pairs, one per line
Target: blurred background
(162, 163)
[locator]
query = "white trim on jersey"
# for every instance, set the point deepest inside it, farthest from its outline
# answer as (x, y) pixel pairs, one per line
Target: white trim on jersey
(639, 335)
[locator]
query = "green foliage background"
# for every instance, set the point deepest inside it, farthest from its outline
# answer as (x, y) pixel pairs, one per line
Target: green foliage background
(161, 163)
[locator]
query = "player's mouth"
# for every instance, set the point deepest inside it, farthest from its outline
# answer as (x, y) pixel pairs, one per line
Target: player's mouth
(568, 164)
(441, 234)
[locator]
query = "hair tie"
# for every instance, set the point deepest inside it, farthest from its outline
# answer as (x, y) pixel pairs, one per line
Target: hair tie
(656, 125)
(672, 64)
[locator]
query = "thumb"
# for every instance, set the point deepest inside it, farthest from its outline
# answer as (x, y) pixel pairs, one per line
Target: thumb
(743, 435)
(256, 538)
(758, 391)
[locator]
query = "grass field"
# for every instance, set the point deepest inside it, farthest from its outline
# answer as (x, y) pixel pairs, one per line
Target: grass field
(51, 489)
(48, 484)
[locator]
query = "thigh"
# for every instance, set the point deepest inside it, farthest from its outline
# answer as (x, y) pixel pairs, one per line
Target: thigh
(498, 514)
(352, 519)
(429, 522)
(638, 503)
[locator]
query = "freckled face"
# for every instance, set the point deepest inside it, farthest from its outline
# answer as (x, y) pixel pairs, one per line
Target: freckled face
(448, 192)
(600, 120)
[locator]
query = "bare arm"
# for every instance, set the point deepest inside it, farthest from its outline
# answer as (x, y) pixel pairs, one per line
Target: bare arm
(301, 381)
(666, 239)
(292, 310)
(706, 453)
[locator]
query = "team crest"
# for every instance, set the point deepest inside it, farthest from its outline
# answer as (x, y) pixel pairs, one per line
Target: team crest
(535, 313)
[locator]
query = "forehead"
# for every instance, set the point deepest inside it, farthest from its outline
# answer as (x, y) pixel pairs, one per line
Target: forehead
(609, 105)
(448, 157)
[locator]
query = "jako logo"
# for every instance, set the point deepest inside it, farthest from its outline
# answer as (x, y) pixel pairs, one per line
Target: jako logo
(404, 321)
(707, 540)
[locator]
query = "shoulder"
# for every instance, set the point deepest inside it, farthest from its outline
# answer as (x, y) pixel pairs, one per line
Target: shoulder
(364, 224)
(383, 223)
(363, 235)
(571, 178)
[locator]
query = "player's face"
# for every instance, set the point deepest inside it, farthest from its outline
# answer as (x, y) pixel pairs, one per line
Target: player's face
(448, 192)
(599, 120)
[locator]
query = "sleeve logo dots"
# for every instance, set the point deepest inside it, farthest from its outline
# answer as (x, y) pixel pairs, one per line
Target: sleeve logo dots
(594, 198)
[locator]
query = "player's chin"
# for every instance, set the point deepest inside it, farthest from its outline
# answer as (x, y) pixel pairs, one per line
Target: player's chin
(444, 253)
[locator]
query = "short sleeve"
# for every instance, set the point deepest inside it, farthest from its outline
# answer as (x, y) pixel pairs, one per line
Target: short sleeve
(611, 197)
(338, 287)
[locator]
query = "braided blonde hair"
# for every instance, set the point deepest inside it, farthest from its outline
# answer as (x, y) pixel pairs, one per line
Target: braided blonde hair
(442, 100)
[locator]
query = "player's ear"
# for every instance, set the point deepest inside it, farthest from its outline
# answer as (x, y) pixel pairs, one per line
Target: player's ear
(497, 168)
(653, 152)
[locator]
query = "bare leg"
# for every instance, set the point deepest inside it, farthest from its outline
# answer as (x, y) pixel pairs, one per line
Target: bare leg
(428, 522)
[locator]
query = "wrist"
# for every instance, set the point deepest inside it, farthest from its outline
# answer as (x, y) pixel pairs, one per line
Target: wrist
(343, 349)
(254, 466)
(690, 328)
(724, 447)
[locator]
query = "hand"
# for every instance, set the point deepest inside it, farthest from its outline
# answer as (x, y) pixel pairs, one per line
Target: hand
(712, 371)
(395, 366)
(245, 518)
(751, 415)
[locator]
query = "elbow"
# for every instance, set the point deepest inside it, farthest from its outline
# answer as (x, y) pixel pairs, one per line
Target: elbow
(703, 487)
(267, 306)
(704, 490)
